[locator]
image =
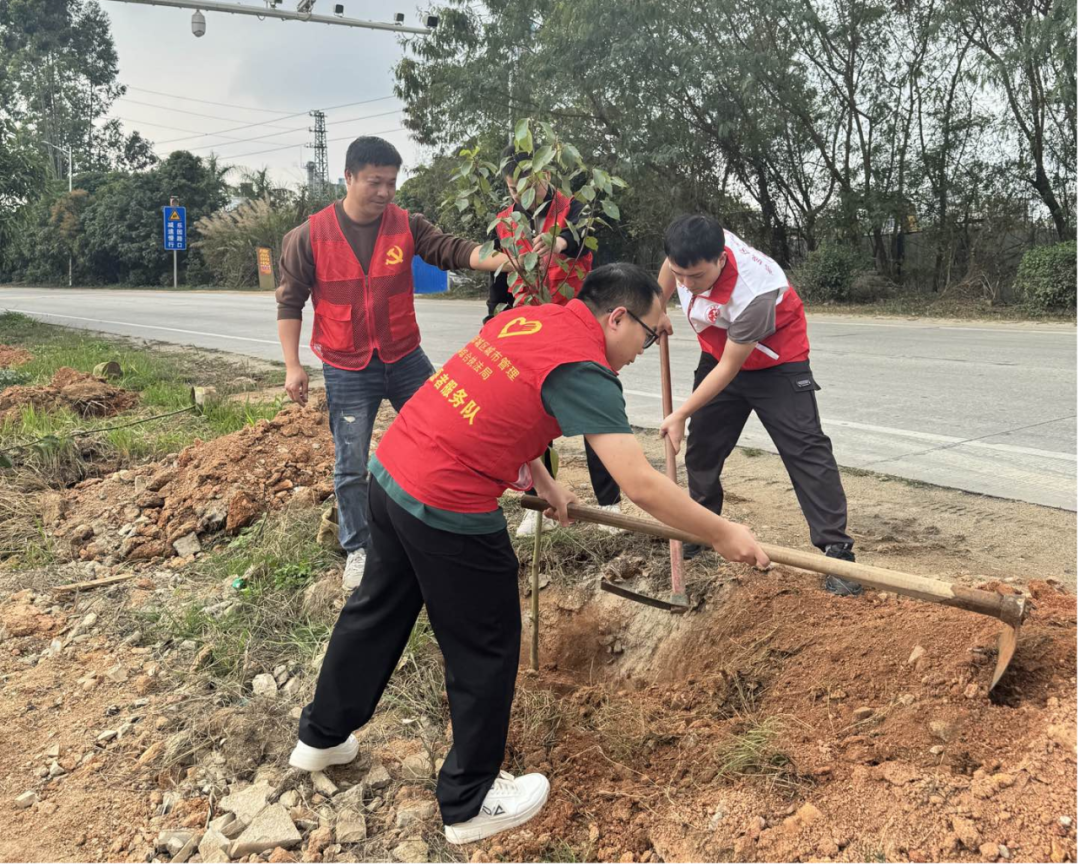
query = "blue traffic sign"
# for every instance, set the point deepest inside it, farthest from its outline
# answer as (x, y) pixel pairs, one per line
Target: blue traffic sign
(175, 221)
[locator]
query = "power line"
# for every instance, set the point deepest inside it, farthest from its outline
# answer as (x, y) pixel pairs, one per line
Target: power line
(199, 114)
(253, 138)
(138, 123)
(207, 101)
(250, 125)
(287, 146)
(297, 129)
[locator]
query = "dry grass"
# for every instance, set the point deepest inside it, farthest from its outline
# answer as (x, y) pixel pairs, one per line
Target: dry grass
(540, 717)
(24, 540)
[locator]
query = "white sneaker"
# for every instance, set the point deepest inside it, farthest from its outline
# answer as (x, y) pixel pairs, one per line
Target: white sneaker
(305, 757)
(530, 522)
(614, 509)
(354, 569)
(510, 803)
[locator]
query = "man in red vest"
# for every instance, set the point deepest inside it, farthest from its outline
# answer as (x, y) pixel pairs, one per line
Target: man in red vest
(755, 358)
(569, 263)
(354, 259)
(477, 427)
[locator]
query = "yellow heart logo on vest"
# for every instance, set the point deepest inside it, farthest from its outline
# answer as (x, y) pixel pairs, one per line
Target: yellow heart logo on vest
(520, 327)
(394, 256)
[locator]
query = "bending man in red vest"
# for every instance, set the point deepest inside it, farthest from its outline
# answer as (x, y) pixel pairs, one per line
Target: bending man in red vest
(562, 285)
(438, 537)
(354, 258)
(755, 358)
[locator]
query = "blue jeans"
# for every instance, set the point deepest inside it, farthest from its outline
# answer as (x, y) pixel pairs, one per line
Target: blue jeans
(353, 398)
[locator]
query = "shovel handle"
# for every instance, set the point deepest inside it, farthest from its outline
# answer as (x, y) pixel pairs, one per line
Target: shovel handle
(1010, 609)
(678, 588)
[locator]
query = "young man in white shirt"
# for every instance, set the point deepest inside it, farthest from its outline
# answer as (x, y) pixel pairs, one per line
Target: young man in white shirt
(755, 355)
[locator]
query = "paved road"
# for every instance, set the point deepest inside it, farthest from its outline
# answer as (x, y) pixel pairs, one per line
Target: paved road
(985, 408)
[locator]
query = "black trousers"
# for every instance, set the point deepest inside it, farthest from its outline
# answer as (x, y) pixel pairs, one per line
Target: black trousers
(783, 398)
(603, 485)
(469, 585)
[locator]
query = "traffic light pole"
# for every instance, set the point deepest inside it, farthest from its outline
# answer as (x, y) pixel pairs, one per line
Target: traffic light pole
(284, 14)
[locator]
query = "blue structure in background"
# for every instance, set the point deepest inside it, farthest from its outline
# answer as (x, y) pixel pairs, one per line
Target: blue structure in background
(428, 279)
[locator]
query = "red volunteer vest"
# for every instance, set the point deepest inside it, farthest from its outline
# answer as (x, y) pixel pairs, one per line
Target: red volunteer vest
(466, 435)
(556, 276)
(787, 344)
(358, 313)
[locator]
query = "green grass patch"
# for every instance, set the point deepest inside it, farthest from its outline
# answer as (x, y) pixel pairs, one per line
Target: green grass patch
(163, 375)
(910, 305)
(56, 456)
(271, 620)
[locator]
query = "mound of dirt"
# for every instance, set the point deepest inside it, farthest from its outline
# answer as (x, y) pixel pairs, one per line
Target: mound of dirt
(69, 389)
(779, 723)
(13, 356)
(165, 508)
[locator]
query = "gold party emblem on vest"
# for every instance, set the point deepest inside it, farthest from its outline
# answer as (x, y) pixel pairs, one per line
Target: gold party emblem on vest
(394, 256)
(520, 327)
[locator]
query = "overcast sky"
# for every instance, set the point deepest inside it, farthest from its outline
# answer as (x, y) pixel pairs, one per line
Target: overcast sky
(281, 67)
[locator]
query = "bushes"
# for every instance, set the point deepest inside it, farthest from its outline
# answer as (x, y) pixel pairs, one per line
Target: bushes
(1046, 280)
(828, 274)
(229, 239)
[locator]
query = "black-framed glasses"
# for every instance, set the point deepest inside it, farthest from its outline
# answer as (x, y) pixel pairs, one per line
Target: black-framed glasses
(653, 335)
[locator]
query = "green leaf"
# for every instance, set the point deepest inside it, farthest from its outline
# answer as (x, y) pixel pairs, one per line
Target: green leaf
(592, 243)
(494, 224)
(523, 182)
(572, 152)
(567, 291)
(523, 140)
(610, 208)
(462, 205)
(486, 250)
(542, 157)
(587, 192)
(5, 462)
(528, 197)
(531, 261)
(619, 182)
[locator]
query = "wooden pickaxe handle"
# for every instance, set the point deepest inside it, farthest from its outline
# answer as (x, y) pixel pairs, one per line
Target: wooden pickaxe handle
(1010, 609)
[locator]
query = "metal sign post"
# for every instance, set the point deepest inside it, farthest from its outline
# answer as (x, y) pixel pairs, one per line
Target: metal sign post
(175, 233)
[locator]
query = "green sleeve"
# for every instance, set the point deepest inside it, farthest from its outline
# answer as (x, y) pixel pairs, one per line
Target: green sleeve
(585, 398)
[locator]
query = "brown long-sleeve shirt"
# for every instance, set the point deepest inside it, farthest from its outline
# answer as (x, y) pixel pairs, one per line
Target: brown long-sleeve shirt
(297, 264)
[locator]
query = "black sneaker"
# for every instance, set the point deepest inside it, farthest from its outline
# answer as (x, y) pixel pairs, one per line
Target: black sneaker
(837, 585)
(689, 551)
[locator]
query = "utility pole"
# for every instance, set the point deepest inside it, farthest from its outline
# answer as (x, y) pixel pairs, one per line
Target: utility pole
(322, 169)
(70, 172)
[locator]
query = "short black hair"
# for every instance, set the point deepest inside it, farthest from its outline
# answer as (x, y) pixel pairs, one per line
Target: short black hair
(620, 285)
(369, 150)
(693, 238)
(515, 157)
